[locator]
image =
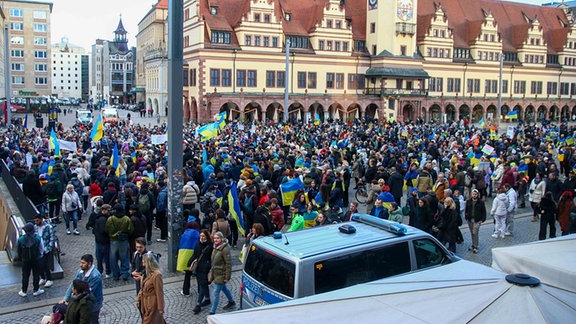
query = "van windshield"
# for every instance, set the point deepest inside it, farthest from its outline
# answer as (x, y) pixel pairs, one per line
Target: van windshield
(110, 114)
(271, 271)
(84, 114)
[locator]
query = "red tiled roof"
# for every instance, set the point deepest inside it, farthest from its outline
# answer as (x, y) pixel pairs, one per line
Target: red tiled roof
(162, 4)
(356, 12)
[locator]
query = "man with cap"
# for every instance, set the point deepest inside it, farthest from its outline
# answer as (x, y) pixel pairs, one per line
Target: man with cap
(48, 237)
(30, 250)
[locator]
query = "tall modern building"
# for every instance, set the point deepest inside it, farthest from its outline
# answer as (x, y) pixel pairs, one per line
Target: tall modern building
(113, 69)
(152, 59)
(29, 37)
(436, 59)
(68, 76)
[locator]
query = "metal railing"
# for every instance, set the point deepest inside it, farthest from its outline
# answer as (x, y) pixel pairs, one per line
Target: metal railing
(25, 206)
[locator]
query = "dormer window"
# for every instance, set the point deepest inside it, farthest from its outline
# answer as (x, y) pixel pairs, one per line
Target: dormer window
(213, 11)
(287, 16)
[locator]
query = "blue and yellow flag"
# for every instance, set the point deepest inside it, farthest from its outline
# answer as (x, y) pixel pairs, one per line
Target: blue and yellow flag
(481, 122)
(221, 120)
(234, 208)
(54, 145)
(316, 119)
(115, 160)
(512, 114)
(26, 121)
(97, 130)
(288, 190)
(208, 131)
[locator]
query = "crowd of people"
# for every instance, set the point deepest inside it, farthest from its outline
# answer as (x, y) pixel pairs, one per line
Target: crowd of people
(430, 176)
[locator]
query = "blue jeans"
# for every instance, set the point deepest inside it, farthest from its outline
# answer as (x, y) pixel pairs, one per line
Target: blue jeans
(71, 215)
(217, 289)
(103, 257)
(120, 251)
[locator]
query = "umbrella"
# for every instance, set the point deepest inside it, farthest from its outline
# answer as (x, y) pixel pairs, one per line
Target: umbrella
(455, 293)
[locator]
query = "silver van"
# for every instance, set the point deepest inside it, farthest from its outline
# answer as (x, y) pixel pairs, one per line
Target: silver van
(307, 262)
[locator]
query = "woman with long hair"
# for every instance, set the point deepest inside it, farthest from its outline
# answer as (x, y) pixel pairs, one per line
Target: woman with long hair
(447, 224)
(221, 271)
(203, 254)
(150, 300)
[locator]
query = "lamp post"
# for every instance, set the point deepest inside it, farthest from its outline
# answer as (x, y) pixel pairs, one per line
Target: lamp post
(7, 75)
(286, 81)
(234, 51)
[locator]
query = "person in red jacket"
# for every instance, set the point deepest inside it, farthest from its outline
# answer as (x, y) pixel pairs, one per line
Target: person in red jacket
(277, 215)
(508, 177)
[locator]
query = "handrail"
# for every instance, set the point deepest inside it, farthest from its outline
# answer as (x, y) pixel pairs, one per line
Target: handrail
(25, 206)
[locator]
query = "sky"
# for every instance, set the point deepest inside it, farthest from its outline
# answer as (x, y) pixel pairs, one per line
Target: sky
(84, 21)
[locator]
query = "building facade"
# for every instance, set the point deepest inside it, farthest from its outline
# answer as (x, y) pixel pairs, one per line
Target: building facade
(152, 59)
(68, 77)
(113, 69)
(29, 48)
(403, 59)
(2, 54)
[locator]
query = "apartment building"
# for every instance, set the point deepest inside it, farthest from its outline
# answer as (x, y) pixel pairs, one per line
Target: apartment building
(152, 59)
(29, 47)
(403, 59)
(68, 76)
(113, 69)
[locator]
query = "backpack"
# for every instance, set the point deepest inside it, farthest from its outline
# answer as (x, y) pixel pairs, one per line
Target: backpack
(30, 248)
(467, 180)
(144, 203)
(248, 205)
(207, 204)
(52, 189)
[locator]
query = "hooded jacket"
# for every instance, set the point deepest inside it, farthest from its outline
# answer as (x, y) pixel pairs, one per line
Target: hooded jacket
(500, 205)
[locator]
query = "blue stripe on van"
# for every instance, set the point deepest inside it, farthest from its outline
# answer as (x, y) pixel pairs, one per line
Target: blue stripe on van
(256, 290)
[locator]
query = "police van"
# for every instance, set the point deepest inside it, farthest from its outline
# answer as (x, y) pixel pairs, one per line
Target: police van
(297, 264)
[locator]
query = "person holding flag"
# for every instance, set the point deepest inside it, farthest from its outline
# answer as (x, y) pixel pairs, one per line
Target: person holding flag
(97, 130)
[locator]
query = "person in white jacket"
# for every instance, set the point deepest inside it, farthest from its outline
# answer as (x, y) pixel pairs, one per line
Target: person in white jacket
(512, 206)
(496, 176)
(535, 194)
(499, 212)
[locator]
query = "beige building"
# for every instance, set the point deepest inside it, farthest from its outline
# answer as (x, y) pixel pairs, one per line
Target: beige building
(30, 53)
(2, 54)
(403, 59)
(152, 59)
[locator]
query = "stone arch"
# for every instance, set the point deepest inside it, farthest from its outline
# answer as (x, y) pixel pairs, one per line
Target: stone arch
(253, 111)
(194, 110)
(316, 111)
(372, 111)
(435, 113)
(464, 112)
(553, 113)
(353, 112)
(232, 110)
(274, 112)
(336, 111)
(450, 112)
(296, 111)
(491, 112)
(424, 114)
(565, 113)
(518, 108)
(155, 107)
(148, 104)
(504, 112)
(408, 113)
(541, 114)
(186, 110)
(477, 113)
(529, 114)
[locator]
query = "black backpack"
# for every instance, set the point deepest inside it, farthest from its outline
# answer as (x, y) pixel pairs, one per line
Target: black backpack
(30, 249)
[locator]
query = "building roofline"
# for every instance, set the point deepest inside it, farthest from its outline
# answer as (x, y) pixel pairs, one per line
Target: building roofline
(35, 2)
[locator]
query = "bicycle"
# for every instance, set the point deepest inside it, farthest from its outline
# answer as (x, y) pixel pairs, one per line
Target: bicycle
(361, 194)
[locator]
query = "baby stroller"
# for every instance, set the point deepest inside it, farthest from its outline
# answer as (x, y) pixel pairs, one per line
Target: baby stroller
(57, 316)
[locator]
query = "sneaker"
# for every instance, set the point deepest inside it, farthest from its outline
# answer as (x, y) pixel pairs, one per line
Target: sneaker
(206, 302)
(212, 313)
(107, 276)
(183, 294)
(48, 284)
(68, 232)
(502, 236)
(156, 228)
(160, 240)
(229, 305)
(76, 232)
(471, 248)
(495, 235)
(38, 292)
(22, 294)
(197, 310)
(42, 282)
(508, 234)
(475, 250)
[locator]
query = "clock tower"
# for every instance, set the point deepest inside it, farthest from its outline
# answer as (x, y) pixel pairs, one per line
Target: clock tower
(391, 27)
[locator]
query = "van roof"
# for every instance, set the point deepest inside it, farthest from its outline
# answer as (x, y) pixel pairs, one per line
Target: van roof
(324, 239)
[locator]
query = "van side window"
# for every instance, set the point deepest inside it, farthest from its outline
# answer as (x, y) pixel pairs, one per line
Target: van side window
(428, 254)
(270, 270)
(361, 267)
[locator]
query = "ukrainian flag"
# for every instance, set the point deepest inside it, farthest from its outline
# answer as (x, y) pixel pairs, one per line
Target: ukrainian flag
(98, 129)
(115, 160)
(481, 122)
(54, 145)
(512, 114)
(188, 242)
(316, 119)
(234, 208)
(208, 131)
(288, 190)
(221, 120)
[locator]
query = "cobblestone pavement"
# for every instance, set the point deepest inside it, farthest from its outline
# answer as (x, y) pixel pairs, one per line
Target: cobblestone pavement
(119, 297)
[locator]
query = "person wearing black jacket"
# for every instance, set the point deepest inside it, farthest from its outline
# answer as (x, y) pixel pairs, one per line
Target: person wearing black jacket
(97, 222)
(396, 182)
(548, 211)
(32, 189)
(202, 252)
(475, 215)
(139, 223)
